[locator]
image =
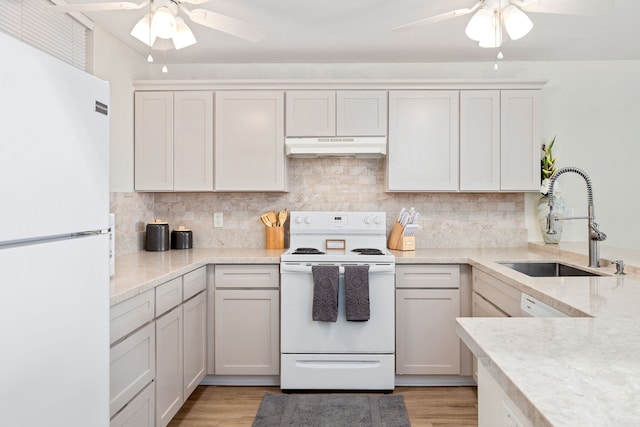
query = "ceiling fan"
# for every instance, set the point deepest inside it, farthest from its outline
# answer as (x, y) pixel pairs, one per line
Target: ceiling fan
(485, 26)
(162, 21)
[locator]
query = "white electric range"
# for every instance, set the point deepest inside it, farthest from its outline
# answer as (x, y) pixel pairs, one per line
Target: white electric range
(340, 355)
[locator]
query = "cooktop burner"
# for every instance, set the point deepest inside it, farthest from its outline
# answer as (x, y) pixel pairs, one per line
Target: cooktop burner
(368, 251)
(307, 251)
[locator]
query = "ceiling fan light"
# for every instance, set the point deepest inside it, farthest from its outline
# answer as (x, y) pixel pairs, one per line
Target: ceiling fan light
(492, 39)
(141, 30)
(163, 23)
(516, 22)
(184, 36)
(480, 24)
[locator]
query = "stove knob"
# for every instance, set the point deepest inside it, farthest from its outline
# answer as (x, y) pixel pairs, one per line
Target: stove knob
(377, 220)
(307, 220)
(298, 220)
(367, 220)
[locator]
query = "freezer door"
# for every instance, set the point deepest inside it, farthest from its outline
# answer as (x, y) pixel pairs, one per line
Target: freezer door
(54, 146)
(54, 325)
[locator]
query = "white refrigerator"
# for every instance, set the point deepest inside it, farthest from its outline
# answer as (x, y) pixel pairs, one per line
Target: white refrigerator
(54, 250)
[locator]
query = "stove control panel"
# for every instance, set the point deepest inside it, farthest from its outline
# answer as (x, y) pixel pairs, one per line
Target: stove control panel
(346, 221)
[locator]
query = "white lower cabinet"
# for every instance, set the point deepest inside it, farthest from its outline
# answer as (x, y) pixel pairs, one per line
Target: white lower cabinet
(140, 412)
(247, 319)
(132, 366)
(181, 344)
(194, 340)
(495, 408)
(169, 391)
(157, 360)
(427, 304)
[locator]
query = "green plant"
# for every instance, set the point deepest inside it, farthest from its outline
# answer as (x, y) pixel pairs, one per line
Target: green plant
(548, 162)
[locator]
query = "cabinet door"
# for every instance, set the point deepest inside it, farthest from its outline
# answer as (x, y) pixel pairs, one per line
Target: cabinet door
(423, 141)
(169, 395)
(153, 141)
(193, 141)
(480, 140)
(520, 140)
(426, 339)
(361, 113)
(247, 338)
(194, 313)
(249, 147)
(311, 113)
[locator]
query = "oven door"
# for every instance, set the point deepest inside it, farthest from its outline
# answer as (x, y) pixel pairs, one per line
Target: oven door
(300, 334)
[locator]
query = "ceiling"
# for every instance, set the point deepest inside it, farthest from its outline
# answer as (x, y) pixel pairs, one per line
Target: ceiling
(338, 31)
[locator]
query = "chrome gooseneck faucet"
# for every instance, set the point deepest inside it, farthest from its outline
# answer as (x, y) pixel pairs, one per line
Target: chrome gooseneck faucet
(595, 235)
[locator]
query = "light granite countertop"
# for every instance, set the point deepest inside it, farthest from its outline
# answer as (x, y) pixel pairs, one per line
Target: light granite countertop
(140, 271)
(560, 372)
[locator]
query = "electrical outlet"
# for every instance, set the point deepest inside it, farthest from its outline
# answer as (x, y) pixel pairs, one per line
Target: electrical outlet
(218, 220)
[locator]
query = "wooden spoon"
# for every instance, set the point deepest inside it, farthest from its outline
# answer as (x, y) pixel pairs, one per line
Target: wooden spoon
(282, 217)
(266, 220)
(272, 218)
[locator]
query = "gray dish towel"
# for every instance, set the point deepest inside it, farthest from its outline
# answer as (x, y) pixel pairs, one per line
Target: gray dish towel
(356, 290)
(325, 292)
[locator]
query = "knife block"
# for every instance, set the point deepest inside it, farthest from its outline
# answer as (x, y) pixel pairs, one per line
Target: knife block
(399, 242)
(274, 237)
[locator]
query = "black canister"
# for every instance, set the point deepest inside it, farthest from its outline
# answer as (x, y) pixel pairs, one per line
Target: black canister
(157, 236)
(181, 238)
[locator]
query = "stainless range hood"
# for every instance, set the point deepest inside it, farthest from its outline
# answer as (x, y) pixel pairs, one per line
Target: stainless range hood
(368, 147)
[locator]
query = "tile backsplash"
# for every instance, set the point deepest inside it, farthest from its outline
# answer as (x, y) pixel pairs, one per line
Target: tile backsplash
(447, 219)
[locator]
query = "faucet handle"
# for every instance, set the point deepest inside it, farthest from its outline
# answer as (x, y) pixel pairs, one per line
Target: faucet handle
(619, 266)
(596, 234)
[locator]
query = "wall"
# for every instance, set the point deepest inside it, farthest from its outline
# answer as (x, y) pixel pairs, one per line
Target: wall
(117, 63)
(590, 105)
(448, 220)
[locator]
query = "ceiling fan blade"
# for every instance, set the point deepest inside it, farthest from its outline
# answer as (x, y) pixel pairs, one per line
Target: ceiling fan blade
(99, 7)
(565, 7)
(225, 24)
(438, 18)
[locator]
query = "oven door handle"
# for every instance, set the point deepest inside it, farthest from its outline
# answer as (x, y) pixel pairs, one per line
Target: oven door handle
(306, 268)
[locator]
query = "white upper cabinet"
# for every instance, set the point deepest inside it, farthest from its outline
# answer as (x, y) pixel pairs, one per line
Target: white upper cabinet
(318, 113)
(249, 141)
(423, 141)
(520, 140)
(311, 113)
(361, 113)
(480, 140)
(193, 141)
(174, 141)
(154, 141)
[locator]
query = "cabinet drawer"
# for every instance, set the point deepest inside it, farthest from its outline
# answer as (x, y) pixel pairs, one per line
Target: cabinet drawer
(500, 294)
(247, 276)
(140, 412)
(427, 276)
(129, 315)
(168, 295)
(483, 308)
(194, 282)
(132, 366)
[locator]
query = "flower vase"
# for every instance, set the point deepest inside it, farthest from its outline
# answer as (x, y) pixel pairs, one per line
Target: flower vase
(543, 212)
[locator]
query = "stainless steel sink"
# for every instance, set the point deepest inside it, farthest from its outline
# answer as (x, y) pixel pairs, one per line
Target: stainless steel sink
(547, 269)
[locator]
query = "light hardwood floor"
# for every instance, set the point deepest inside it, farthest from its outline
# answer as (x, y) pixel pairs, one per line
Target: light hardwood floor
(215, 406)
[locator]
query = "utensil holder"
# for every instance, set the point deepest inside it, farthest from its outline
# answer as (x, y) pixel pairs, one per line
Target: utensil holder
(274, 238)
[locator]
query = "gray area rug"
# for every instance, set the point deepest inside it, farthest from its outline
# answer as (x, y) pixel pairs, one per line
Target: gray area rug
(331, 410)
